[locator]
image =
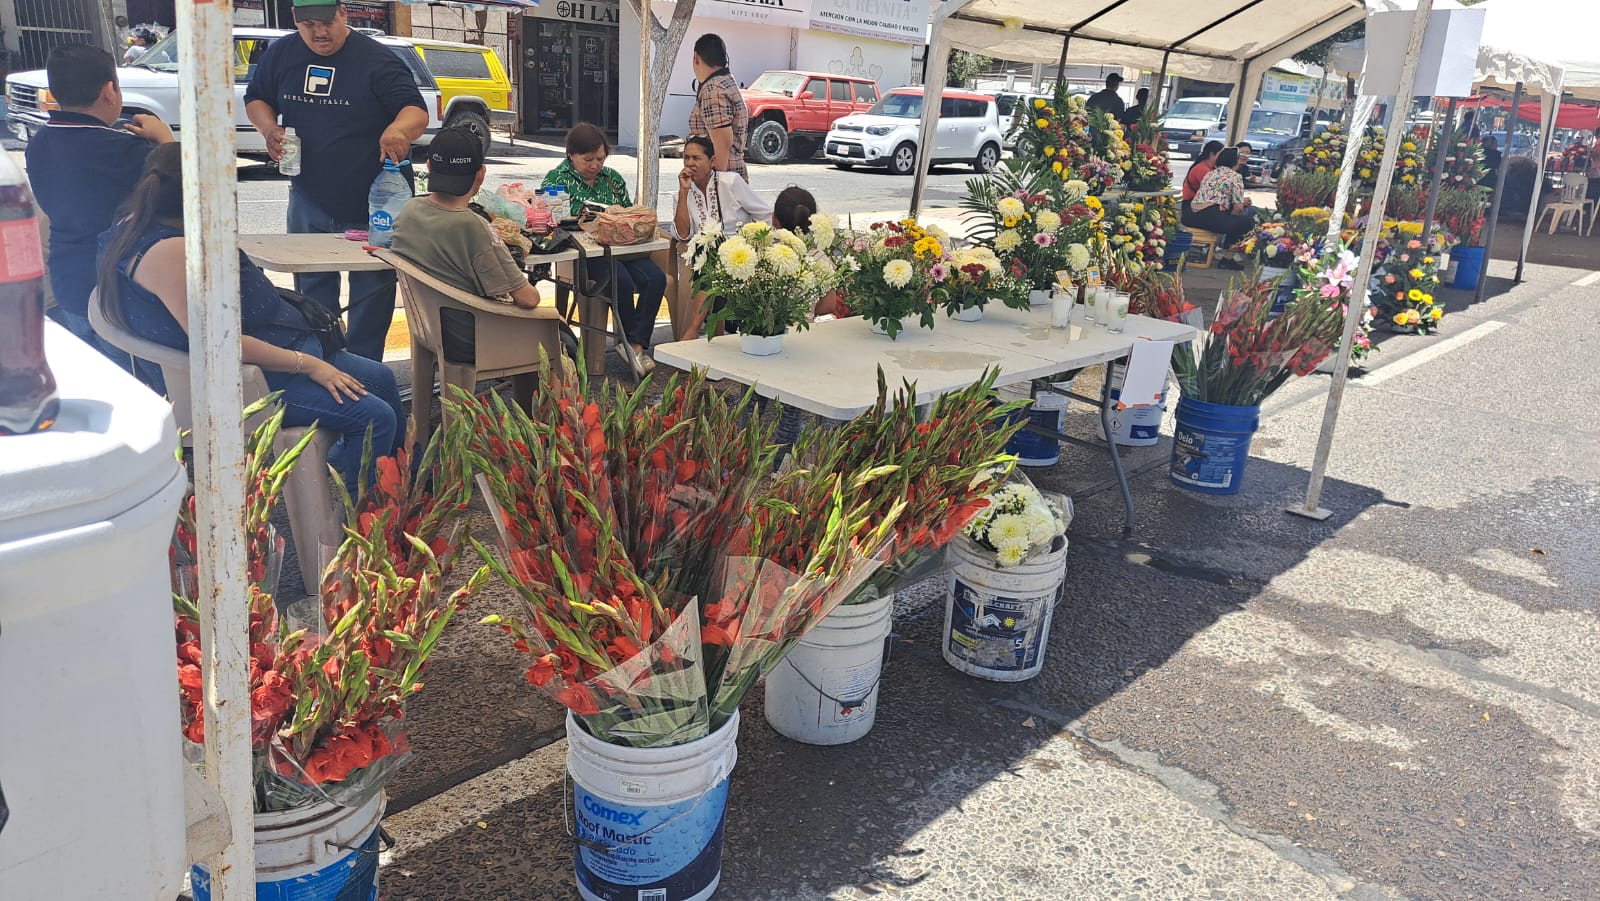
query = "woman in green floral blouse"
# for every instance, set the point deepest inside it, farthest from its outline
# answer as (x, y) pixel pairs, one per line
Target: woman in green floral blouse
(586, 176)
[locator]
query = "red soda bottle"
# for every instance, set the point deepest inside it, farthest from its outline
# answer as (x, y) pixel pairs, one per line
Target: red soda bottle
(28, 401)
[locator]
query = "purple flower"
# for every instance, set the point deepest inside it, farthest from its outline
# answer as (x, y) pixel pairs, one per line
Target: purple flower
(940, 272)
(1044, 240)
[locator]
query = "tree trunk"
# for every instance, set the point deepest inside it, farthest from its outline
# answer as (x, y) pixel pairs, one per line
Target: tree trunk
(665, 41)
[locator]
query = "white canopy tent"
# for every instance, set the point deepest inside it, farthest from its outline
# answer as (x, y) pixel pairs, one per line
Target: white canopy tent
(1212, 40)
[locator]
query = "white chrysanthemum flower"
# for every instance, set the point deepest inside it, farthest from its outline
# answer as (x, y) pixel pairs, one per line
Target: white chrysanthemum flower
(1011, 553)
(1007, 240)
(738, 257)
(1008, 528)
(1078, 257)
(853, 263)
(897, 273)
(1076, 190)
(822, 221)
(783, 259)
(1047, 220)
(790, 240)
(1042, 526)
(755, 231)
(822, 236)
(939, 233)
(1011, 208)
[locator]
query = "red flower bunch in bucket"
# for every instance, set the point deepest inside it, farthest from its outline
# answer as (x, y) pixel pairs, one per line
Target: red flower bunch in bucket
(329, 678)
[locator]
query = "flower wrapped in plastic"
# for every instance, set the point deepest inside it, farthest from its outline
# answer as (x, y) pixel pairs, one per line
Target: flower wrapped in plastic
(1020, 522)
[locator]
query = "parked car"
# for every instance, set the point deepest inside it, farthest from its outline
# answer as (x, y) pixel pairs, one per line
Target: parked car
(473, 86)
(1275, 138)
(888, 134)
(150, 85)
(1014, 114)
(1187, 123)
(791, 112)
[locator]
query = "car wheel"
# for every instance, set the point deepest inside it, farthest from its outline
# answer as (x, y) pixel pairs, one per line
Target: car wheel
(904, 159)
(768, 143)
(474, 122)
(988, 157)
(803, 149)
(845, 166)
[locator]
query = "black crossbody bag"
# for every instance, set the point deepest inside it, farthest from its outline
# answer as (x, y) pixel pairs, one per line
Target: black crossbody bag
(320, 321)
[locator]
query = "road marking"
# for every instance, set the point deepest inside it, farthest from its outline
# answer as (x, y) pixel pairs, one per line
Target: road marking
(1385, 373)
(1587, 280)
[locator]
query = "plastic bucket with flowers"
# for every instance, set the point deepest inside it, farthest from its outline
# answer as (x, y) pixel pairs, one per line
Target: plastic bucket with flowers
(311, 853)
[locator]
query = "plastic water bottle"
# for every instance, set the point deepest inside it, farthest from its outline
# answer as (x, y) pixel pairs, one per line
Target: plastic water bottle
(559, 202)
(388, 196)
(289, 163)
(28, 400)
(540, 218)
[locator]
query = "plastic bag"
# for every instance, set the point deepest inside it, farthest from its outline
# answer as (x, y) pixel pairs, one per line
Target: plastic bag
(501, 206)
(620, 226)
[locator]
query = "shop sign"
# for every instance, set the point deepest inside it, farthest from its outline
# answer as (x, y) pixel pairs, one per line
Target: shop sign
(1283, 91)
(583, 11)
(783, 13)
(902, 21)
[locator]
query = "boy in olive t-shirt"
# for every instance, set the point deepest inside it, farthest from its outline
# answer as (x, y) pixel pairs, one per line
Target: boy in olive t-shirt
(441, 234)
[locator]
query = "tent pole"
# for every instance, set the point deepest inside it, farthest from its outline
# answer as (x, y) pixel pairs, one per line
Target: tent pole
(1548, 134)
(1061, 67)
(938, 68)
(1499, 192)
(1441, 136)
(210, 246)
(1161, 83)
(1357, 306)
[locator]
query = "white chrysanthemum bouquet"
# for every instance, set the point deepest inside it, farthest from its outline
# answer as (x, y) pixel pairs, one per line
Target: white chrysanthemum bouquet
(1019, 522)
(766, 280)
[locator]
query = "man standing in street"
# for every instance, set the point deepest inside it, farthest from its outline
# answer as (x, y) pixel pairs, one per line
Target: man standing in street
(1108, 101)
(353, 104)
(719, 112)
(82, 168)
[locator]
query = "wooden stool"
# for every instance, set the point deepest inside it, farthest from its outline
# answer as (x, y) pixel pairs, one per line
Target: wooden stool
(1203, 248)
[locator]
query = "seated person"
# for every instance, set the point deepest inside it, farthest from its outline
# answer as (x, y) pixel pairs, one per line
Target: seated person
(1198, 172)
(792, 210)
(144, 284)
(705, 194)
(1220, 205)
(586, 177)
(453, 243)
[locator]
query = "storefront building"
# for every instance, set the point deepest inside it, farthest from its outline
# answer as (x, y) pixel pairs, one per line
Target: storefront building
(570, 65)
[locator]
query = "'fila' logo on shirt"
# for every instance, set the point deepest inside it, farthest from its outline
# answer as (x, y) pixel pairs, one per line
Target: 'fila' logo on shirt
(319, 80)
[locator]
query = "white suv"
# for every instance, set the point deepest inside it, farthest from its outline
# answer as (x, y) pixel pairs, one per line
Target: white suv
(887, 135)
(150, 85)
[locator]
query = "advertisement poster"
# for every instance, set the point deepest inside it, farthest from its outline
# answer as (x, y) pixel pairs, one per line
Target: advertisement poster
(903, 21)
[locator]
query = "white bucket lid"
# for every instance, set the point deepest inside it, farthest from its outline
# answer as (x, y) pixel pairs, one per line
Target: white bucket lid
(113, 446)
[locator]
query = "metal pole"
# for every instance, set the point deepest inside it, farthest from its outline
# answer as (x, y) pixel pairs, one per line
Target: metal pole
(210, 216)
(1548, 135)
(1499, 194)
(1161, 84)
(1061, 67)
(1442, 142)
(1369, 245)
(642, 168)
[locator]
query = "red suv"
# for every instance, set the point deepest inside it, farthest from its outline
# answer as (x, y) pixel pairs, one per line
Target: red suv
(791, 112)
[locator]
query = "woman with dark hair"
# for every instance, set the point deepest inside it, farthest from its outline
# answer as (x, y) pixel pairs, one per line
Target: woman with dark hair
(793, 208)
(586, 176)
(706, 194)
(1220, 205)
(719, 112)
(143, 284)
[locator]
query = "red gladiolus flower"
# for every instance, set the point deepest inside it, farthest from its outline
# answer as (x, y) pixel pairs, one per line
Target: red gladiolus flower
(578, 699)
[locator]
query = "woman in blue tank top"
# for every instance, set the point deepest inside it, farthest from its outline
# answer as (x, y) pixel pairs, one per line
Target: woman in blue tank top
(142, 278)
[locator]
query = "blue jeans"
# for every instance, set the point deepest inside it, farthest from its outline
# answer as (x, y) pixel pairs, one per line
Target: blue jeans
(306, 402)
(644, 278)
(371, 293)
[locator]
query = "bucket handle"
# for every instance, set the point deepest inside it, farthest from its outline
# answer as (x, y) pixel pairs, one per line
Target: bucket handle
(568, 805)
(385, 842)
(888, 649)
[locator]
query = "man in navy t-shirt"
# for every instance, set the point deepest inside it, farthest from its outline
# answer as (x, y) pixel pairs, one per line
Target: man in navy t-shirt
(352, 103)
(81, 169)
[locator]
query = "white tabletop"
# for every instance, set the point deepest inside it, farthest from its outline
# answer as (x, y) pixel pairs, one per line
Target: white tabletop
(831, 370)
(308, 253)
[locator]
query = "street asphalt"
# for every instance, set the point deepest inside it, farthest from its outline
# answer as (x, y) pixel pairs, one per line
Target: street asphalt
(1402, 701)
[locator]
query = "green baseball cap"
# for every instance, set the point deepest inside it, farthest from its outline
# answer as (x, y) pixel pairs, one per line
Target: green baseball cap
(315, 10)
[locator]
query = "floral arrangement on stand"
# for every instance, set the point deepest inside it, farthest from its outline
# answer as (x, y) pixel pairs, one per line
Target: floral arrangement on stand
(1271, 244)
(328, 684)
(1323, 153)
(1138, 229)
(972, 278)
(1149, 170)
(1407, 279)
(1108, 144)
(1018, 523)
(1249, 352)
(1310, 223)
(1462, 212)
(1303, 189)
(1463, 164)
(1062, 129)
(1368, 157)
(1152, 293)
(890, 275)
(768, 279)
(1034, 230)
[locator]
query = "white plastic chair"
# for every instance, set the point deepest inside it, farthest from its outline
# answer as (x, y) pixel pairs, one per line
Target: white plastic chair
(1574, 187)
(314, 517)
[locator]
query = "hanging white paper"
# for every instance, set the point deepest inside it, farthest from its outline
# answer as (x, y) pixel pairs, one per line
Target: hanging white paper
(1146, 378)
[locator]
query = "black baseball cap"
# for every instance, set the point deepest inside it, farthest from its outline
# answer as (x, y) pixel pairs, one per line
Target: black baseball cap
(315, 10)
(454, 158)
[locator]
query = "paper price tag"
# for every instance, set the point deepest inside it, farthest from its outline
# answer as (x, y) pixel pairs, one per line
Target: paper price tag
(1093, 277)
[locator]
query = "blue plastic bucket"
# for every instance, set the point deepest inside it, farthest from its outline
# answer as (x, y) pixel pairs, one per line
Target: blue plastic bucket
(650, 820)
(1469, 267)
(1045, 411)
(316, 853)
(1177, 248)
(1211, 443)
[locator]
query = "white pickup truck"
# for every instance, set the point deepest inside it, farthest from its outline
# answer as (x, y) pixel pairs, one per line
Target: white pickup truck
(150, 85)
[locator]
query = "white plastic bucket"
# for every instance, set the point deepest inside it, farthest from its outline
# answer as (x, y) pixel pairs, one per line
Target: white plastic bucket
(825, 691)
(997, 621)
(313, 853)
(1135, 426)
(650, 820)
(1048, 410)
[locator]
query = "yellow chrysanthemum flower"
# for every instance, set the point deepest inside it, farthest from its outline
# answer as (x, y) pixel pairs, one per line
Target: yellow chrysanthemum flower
(1041, 123)
(1414, 295)
(1049, 151)
(1038, 103)
(1400, 318)
(1415, 273)
(1437, 313)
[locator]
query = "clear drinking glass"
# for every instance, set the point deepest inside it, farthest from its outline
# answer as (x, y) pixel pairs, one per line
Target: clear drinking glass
(1117, 312)
(1061, 304)
(1091, 294)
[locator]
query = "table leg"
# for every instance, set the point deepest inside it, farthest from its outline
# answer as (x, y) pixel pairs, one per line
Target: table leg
(1116, 458)
(594, 311)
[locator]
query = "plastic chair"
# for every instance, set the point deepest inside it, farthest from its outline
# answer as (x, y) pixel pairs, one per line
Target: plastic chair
(1572, 200)
(315, 519)
(508, 339)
